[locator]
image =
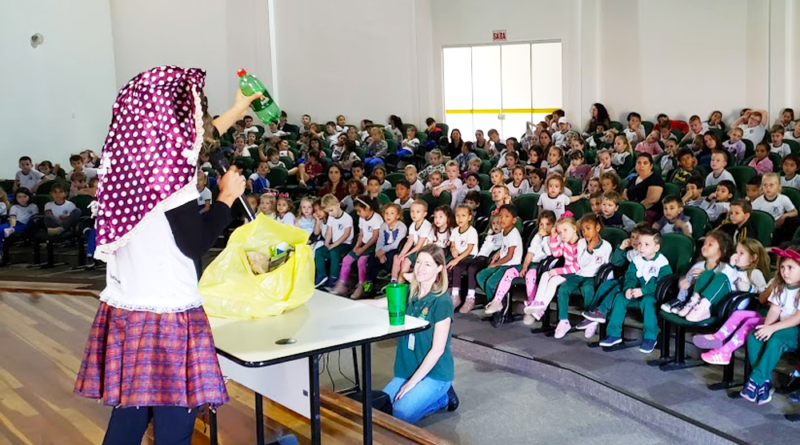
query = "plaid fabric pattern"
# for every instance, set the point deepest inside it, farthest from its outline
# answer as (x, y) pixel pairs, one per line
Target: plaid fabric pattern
(137, 358)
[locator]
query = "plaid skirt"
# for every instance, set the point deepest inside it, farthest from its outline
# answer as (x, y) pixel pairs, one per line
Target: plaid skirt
(138, 358)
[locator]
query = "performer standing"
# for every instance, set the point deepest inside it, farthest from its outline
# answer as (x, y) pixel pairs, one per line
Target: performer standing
(150, 352)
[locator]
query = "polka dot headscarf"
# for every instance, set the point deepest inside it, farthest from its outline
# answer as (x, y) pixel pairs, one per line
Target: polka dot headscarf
(149, 159)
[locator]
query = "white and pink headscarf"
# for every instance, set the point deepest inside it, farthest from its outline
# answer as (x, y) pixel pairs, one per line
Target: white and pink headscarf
(149, 159)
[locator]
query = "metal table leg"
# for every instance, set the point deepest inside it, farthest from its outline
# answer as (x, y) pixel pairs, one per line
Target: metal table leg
(212, 419)
(366, 378)
(259, 419)
(313, 397)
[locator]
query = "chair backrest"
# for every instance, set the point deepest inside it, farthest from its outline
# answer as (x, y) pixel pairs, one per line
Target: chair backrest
(741, 174)
(614, 236)
(287, 161)
(678, 133)
(699, 219)
(527, 205)
(277, 176)
(486, 166)
(671, 189)
(580, 208)
(484, 181)
(445, 128)
(486, 202)
(82, 203)
(407, 217)
(749, 149)
(384, 199)
(394, 178)
(675, 247)
(777, 162)
(648, 127)
(632, 210)
(436, 201)
(40, 201)
(764, 226)
(793, 145)
(481, 153)
(616, 125)
(793, 194)
(392, 146)
(254, 153)
(574, 185)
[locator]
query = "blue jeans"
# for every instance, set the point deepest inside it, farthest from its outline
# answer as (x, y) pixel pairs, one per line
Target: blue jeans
(426, 398)
(172, 425)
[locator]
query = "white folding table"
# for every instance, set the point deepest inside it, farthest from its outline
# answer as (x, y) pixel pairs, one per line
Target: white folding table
(325, 323)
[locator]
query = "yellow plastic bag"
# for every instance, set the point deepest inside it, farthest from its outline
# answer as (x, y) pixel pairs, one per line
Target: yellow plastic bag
(229, 287)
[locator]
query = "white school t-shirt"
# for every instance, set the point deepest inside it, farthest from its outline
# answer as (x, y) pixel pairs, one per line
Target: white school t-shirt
(370, 227)
(417, 188)
(515, 191)
(60, 210)
(31, 179)
(205, 195)
(712, 180)
(404, 205)
(24, 214)
(513, 238)
(715, 209)
(539, 248)
(491, 243)
(590, 262)
(421, 233)
(462, 240)
(787, 300)
(557, 205)
(441, 239)
(793, 183)
(777, 207)
(781, 150)
(339, 225)
(288, 218)
(754, 134)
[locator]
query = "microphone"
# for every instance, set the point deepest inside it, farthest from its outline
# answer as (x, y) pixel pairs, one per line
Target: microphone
(220, 163)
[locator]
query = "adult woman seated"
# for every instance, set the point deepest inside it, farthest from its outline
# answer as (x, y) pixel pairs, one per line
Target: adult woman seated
(423, 364)
(599, 117)
(646, 189)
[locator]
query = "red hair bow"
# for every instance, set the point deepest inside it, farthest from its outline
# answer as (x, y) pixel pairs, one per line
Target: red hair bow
(788, 253)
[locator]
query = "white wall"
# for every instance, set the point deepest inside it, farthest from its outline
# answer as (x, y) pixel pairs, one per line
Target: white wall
(54, 100)
(217, 36)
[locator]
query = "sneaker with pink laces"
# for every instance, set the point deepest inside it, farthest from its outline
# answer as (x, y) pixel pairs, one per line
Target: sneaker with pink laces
(467, 307)
(562, 328)
(494, 306)
(689, 306)
(716, 357)
(700, 312)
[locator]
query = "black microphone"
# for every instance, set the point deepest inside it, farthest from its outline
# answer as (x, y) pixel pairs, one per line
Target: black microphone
(220, 163)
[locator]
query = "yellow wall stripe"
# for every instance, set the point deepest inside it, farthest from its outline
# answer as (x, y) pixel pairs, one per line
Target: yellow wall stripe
(498, 111)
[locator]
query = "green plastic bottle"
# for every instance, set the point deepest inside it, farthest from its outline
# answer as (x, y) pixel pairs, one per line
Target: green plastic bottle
(266, 109)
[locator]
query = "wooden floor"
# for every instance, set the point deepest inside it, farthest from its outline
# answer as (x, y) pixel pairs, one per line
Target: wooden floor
(42, 336)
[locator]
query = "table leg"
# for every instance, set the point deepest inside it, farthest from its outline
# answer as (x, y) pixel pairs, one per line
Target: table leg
(366, 401)
(355, 370)
(212, 420)
(259, 419)
(313, 397)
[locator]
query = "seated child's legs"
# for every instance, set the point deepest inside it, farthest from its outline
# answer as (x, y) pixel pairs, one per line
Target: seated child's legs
(737, 318)
(764, 356)
(647, 305)
(530, 284)
(347, 263)
(739, 337)
(619, 309)
(336, 255)
(455, 275)
(571, 283)
(491, 279)
(712, 286)
(362, 268)
(505, 282)
(603, 299)
(320, 255)
(547, 290)
(477, 266)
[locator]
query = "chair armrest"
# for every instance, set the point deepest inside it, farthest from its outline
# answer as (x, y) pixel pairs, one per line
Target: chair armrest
(667, 288)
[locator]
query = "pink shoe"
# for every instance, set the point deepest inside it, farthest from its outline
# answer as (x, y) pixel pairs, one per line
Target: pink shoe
(467, 307)
(455, 299)
(562, 328)
(700, 312)
(708, 341)
(716, 357)
(534, 307)
(528, 320)
(689, 305)
(591, 330)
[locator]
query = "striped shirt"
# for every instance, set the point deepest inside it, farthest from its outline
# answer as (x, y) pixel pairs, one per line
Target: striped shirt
(570, 253)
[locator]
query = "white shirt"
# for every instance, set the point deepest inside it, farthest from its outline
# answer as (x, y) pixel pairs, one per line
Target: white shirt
(790, 135)
(205, 195)
(714, 180)
(512, 239)
(491, 243)
(24, 214)
(406, 205)
(633, 138)
(441, 239)
(515, 191)
(560, 138)
(715, 209)
(557, 205)
(754, 134)
(777, 207)
(288, 218)
(31, 179)
(151, 252)
(370, 227)
(60, 210)
(462, 240)
(590, 262)
(539, 248)
(338, 227)
(787, 300)
(754, 283)
(421, 233)
(417, 188)
(648, 269)
(618, 158)
(410, 145)
(782, 149)
(794, 182)
(669, 227)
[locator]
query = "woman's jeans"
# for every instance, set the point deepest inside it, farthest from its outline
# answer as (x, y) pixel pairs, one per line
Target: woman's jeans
(426, 398)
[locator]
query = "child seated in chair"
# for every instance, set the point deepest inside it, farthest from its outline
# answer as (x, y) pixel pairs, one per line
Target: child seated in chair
(778, 146)
(761, 162)
(609, 182)
(790, 177)
(60, 215)
(415, 185)
(610, 216)
(693, 194)
(434, 180)
(669, 161)
(752, 268)
(778, 332)
(471, 184)
(204, 198)
(718, 204)
(596, 201)
(686, 168)
(20, 215)
(674, 220)
(500, 197)
(738, 225)
(639, 284)
(735, 146)
(258, 182)
(403, 192)
(779, 206)
(435, 159)
(753, 188)
(719, 160)
(492, 242)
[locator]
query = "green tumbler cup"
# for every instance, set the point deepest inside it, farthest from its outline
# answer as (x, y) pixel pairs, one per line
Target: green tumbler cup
(397, 296)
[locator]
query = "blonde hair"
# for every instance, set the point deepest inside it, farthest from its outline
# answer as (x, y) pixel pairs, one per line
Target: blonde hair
(754, 247)
(571, 221)
(440, 284)
(300, 207)
(627, 143)
(410, 167)
(775, 177)
(4, 199)
(329, 200)
(451, 164)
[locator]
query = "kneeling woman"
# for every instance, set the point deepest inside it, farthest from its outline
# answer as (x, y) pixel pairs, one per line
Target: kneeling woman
(423, 364)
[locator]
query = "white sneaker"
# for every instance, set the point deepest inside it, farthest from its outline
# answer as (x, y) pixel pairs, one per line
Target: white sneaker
(562, 328)
(591, 330)
(528, 320)
(493, 307)
(8, 231)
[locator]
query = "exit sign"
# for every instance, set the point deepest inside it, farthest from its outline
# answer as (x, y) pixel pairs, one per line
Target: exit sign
(499, 35)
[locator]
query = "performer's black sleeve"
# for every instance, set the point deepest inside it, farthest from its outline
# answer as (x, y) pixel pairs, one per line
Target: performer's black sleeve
(195, 233)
